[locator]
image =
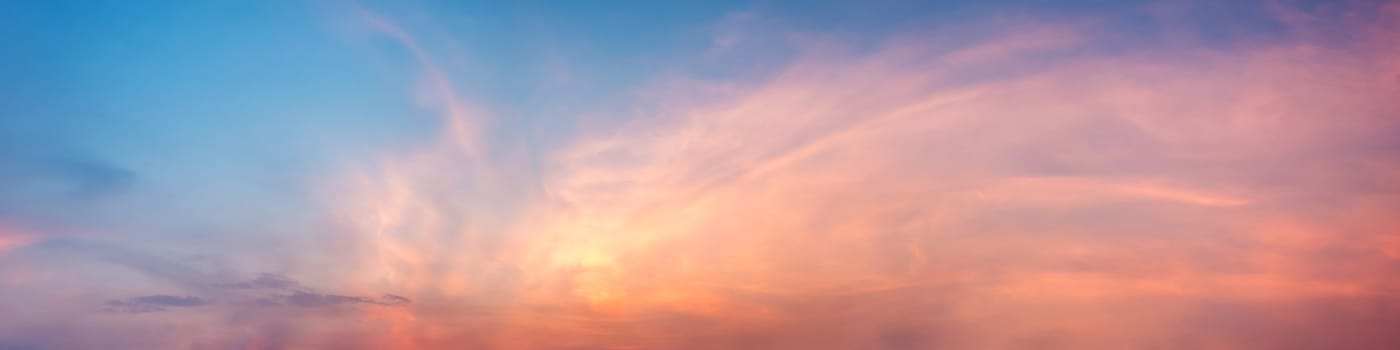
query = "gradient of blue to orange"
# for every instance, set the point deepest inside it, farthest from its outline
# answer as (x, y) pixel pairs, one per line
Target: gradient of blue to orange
(700, 175)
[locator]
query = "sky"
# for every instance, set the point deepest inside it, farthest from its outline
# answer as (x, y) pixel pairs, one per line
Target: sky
(884, 174)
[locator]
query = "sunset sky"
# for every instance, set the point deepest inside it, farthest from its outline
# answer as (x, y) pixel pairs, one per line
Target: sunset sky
(875, 174)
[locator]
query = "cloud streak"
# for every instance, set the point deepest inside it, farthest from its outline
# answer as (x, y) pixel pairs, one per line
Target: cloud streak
(154, 303)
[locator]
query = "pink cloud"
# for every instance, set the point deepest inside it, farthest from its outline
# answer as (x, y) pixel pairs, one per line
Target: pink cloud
(1109, 200)
(12, 237)
(1011, 189)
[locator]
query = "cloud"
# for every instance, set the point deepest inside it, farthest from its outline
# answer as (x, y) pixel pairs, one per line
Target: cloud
(266, 281)
(394, 299)
(12, 237)
(163, 269)
(289, 292)
(43, 192)
(309, 299)
(154, 303)
(1011, 183)
(92, 179)
(1041, 185)
(284, 292)
(267, 289)
(62, 176)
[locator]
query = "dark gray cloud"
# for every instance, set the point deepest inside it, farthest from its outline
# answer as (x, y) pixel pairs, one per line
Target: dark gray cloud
(293, 293)
(286, 293)
(204, 287)
(266, 281)
(170, 300)
(313, 299)
(395, 299)
(154, 303)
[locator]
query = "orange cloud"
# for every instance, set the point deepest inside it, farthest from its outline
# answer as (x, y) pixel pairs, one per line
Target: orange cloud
(1178, 196)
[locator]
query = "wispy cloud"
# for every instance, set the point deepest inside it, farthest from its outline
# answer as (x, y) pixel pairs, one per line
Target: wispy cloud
(1126, 177)
(154, 303)
(12, 238)
(309, 299)
(1017, 188)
